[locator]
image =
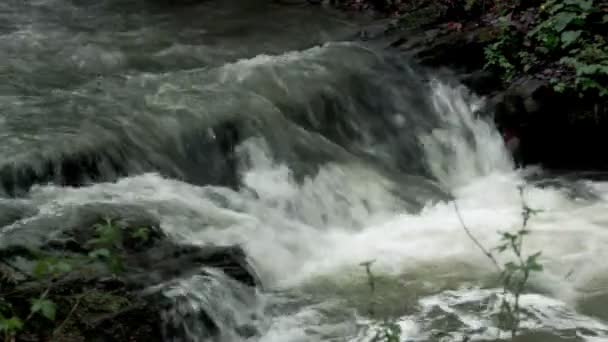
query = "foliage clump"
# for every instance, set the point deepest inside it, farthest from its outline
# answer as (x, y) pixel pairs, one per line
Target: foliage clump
(563, 41)
(37, 307)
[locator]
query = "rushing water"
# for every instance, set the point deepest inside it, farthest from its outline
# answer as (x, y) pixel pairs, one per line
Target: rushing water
(235, 123)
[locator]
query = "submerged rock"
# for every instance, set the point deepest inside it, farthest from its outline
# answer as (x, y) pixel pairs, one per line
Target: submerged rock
(106, 160)
(108, 269)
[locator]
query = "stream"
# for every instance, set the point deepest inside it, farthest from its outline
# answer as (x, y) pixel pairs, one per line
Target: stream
(254, 123)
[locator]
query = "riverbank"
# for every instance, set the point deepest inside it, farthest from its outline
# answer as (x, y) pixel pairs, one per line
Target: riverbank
(542, 64)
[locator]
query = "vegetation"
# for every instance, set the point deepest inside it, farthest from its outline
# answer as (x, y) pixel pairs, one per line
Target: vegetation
(514, 275)
(563, 40)
(389, 330)
(50, 271)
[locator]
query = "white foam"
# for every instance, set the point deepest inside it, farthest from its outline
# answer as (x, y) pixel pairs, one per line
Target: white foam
(464, 147)
(345, 214)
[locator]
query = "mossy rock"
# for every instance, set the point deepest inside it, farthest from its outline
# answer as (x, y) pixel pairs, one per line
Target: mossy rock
(94, 301)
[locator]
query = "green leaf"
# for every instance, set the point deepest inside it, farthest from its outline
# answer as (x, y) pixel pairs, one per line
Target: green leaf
(605, 19)
(108, 233)
(590, 69)
(585, 5)
(44, 306)
(42, 268)
(551, 41)
(501, 248)
(532, 263)
(569, 37)
(142, 233)
(508, 236)
(535, 31)
(11, 325)
(562, 20)
(62, 267)
(556, 8)
(560, 87)
(100, 253)
(115, 264)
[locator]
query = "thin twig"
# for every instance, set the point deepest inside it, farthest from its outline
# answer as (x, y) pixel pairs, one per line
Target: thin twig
(473, 238)
(95, 322)
(370, 275)
(56, 331)
(371, 281)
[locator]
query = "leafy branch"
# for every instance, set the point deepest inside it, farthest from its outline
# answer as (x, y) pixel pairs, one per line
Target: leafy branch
(514, 275)
(568, 35)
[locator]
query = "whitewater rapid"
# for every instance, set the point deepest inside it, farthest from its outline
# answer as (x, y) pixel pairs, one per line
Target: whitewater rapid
(310, 237)
(251, 123)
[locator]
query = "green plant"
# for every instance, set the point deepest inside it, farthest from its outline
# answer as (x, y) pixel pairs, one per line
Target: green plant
(109, 237)
(514, 275)
(565, 22)
(49, 269)
(389, 330)
(590, 65)
(142, 233)
(10, 324)
(371, 280)
(502, 54)
(9, 327)
(571, 32)
(564, 41)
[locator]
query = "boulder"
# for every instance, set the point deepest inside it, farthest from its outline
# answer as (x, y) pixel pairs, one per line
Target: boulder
(556, 130)
(106, 268)
(107, 160)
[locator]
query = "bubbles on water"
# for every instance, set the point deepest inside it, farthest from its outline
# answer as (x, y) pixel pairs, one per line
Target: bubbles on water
(208, 306)
(472, 315)
(337, 195)
(97, 59)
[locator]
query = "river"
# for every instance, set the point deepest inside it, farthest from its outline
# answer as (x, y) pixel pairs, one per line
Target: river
(253, 123)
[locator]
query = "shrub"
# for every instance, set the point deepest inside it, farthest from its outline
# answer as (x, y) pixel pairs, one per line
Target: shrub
(564, 40)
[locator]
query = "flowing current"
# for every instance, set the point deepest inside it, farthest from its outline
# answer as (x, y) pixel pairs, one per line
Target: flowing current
(252, 123)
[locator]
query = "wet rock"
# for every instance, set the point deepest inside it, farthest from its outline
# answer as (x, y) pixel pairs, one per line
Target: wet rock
(460, 49)
(523, 98)
(11, 211)
(105, 267)
(483, 81)
(560, 131)
(202, 156)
